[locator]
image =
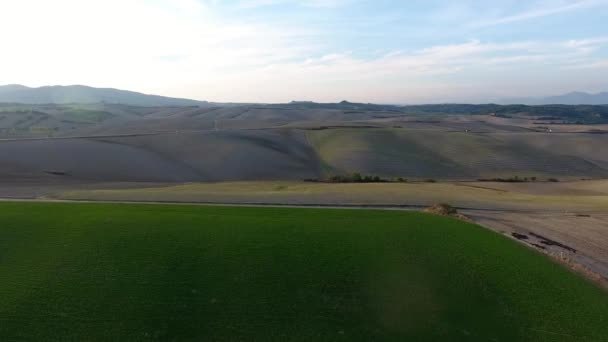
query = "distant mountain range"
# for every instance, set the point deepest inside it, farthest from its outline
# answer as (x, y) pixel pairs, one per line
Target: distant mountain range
(574, 98)
(15, 93)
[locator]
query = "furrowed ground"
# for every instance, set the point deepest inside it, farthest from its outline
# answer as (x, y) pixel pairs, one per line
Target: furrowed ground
(153, 272)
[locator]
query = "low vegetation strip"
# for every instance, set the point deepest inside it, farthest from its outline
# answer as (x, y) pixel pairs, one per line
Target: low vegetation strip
(143, 272)
(357, 178)
(503, 196)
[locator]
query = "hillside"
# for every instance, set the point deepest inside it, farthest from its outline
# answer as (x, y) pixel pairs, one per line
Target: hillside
(573, 98)
(458, 155)
(114, 142)
(85, 94)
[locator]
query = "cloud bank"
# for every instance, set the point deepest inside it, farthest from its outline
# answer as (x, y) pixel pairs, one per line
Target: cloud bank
(314, 50)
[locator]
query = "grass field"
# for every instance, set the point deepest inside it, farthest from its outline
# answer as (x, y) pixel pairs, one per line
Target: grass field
(151, 272)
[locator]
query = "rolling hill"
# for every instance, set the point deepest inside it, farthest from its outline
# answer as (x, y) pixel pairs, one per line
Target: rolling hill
(84, 94)
(419, 153)
(106, 142)
(573, 98)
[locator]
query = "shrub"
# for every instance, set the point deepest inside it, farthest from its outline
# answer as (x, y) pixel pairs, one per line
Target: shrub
(355, 178)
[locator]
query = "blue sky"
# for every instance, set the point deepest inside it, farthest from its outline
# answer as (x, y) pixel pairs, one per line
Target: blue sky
(282, 50)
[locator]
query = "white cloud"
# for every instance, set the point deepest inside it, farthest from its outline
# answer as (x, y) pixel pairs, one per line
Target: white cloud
(132, 43)
(183, 48)
(418, 76)
(547, 10)
(250, 4)
(595, 64)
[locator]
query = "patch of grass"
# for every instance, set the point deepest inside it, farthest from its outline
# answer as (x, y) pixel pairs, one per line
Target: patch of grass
(356, 178)
(514, 179)
(137, 272)
(87, 115)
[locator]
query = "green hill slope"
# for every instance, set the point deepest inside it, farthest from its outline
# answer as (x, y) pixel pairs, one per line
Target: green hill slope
(85, 94)
(456, 155)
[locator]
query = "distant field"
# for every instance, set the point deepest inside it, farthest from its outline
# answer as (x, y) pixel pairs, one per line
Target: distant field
(456, 154)
(511, 196)
(200, 156)
(120, 143)
(84, 115)
(137, 272)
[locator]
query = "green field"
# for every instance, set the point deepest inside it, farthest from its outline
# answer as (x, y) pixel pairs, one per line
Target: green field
(151, 272)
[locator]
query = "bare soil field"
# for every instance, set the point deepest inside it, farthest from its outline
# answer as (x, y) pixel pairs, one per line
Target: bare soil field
(188, 156)
(88, 160)
(296, 154)
(574, 238)
(233, 155)
(583, 188)
(248, 142)
(460, 194)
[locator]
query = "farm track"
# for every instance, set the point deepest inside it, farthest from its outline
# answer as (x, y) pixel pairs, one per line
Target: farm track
(280, 205)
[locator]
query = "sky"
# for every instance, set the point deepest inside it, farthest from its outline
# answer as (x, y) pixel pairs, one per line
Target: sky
(382, 51)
